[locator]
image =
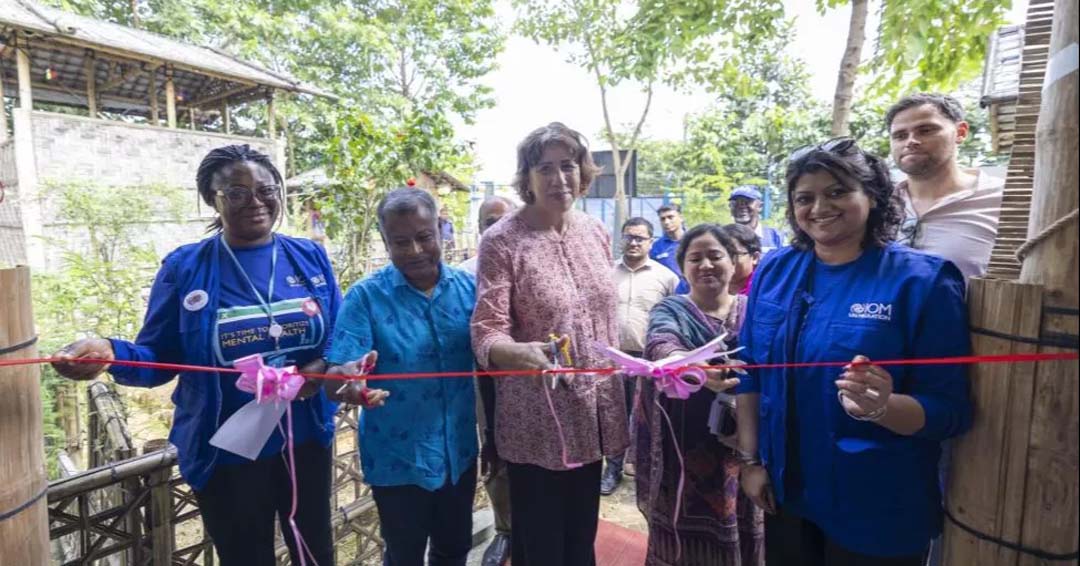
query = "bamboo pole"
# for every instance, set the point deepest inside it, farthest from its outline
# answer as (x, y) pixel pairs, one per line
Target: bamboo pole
(154, 114)
(3, 113)
(271, 117)
(24, 535)
(1054, 262)
(160, 520)
(90, 70)
(1051, 507)
(1015, 477)
(22, 63)
(170, 98)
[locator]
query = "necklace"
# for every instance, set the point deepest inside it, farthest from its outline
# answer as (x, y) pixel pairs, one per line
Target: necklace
(275, 329)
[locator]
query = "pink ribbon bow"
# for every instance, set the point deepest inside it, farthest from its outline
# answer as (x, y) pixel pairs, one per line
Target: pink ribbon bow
(676, 378)
(276, 385)
(268, 384)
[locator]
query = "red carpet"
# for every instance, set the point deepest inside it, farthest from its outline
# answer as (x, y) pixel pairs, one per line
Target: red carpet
(619, 546)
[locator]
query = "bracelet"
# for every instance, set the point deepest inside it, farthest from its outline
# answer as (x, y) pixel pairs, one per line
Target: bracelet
(872, 416)
(746, 459)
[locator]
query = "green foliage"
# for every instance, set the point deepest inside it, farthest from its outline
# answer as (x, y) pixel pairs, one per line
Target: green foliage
(368, 158)
(929, 45)
(386, 56)
(95, 292)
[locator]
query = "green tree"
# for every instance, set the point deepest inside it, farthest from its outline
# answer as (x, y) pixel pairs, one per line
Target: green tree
(94, 293)
(649, 43)
(919, 45)
(386, 56)
(366, 159)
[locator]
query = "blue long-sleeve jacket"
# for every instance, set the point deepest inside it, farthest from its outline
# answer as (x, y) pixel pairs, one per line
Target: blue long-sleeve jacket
(173, 332)
(871, 490)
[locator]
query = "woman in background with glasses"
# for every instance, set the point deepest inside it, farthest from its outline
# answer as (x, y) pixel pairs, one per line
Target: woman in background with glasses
(844, 459)
(244, 290)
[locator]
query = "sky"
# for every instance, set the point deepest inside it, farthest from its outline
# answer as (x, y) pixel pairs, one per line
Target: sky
(534, 85)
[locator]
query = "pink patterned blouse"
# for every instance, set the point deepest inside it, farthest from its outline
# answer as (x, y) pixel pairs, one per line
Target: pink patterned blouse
(531, 284)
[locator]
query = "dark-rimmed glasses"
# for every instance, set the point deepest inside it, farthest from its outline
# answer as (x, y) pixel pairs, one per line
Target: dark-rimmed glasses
(239, 196)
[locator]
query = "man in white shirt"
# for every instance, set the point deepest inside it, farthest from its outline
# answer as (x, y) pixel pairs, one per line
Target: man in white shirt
(496, 481)
(949, 211)
(491, 211)
(641, 282)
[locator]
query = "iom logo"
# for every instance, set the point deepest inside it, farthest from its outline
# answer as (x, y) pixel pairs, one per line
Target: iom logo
(875, 311)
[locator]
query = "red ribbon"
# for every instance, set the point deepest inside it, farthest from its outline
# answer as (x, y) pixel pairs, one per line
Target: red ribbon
(961, 360)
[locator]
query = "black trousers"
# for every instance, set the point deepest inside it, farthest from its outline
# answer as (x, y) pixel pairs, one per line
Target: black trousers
(794, 541)
(240, 502)
(410, 515)
(554, 515)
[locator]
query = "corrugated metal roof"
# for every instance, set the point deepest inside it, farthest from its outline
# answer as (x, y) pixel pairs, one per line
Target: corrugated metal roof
(79, 30)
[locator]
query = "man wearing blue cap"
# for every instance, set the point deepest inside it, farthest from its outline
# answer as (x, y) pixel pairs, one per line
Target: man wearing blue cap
(745, 204)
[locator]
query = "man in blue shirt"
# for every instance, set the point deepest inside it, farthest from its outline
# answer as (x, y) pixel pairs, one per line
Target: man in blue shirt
(745, 203)
(418, 451)
(663, 248)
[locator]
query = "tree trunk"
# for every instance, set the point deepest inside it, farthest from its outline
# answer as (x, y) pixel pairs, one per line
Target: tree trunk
(849, 68)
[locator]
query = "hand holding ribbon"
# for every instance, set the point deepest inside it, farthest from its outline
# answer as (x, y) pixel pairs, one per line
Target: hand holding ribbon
(678, 375)
(355, 391)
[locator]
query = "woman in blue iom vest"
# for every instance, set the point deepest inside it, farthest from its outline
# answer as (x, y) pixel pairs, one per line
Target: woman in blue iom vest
(844, 460)
(244, 290)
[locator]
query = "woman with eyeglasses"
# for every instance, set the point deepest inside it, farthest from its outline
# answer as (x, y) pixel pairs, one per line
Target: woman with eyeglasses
(844, 458)
(244, 290)
(716, 524)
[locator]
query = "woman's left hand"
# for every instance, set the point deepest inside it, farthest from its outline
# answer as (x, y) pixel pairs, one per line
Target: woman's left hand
(719, 380)
(864, 387)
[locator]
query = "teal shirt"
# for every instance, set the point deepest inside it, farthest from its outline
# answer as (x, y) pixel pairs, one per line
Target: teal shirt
(425, 434)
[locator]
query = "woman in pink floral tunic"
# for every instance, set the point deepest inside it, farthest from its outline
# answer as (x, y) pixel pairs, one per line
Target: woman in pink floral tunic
(546, 270)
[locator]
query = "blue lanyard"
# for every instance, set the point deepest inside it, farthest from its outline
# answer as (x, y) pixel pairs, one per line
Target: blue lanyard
(275, 329)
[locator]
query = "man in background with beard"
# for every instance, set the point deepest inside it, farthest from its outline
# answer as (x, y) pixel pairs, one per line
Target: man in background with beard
(949, 211)
(745, 204)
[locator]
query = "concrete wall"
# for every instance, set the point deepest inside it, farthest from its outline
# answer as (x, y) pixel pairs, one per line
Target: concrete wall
(12, 251)
(74, 149)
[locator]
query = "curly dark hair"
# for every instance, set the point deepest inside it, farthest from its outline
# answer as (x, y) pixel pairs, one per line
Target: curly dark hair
(854, 168)
(217, 159)
(532, 148)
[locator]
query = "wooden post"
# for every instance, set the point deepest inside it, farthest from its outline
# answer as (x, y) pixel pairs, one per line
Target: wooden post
(191, 117)
(90, 70)
(170, 98)
(22, 62)
(155, 119)
(3, 112)
(271, 117)
(1015, 473)
(24, 536)
(1054, 262)
(160, 519)
(226, 116)
(1052, 500)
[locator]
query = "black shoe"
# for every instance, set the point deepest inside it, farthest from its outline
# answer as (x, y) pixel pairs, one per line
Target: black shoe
(498, 552)
(610, 481)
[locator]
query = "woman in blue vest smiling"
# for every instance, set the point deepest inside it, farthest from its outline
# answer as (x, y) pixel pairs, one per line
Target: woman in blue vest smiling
(844, 460)
(244, 290)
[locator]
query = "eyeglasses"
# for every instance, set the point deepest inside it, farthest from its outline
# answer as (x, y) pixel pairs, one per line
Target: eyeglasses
(239, 196)
(840, 146)
(631, 239)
